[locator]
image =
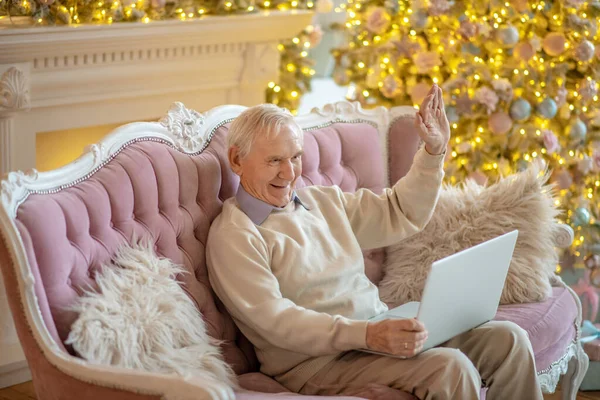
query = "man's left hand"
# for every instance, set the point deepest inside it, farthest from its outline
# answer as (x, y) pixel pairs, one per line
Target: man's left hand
(432, 123)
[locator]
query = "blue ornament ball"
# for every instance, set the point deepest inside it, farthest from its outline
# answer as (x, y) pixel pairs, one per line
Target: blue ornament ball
(547, 108)
(577, 130)
(452, 114)
(508, 36)
(520, 110)
(470, 48)
(581, 216)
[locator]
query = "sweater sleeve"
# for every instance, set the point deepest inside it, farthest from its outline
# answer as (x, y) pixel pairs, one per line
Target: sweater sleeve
(400, 211)
(240, 273)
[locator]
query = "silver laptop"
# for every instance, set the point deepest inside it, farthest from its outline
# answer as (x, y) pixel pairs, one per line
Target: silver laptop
(462, 291)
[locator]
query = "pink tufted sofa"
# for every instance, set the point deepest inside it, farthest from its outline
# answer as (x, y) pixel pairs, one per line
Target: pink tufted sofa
(170, 179)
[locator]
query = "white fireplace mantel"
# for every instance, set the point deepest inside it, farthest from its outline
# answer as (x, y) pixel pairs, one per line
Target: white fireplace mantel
(72, 77)
(58, 78)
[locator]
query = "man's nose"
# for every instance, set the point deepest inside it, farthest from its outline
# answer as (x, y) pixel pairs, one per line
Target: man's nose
(287, 170)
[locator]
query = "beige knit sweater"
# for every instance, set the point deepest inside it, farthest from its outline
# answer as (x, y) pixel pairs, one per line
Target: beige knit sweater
(295, 284)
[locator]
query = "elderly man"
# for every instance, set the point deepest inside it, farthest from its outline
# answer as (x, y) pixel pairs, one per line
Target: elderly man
(289, 268)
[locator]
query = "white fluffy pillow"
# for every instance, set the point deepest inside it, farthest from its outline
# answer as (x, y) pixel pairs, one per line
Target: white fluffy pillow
(468, 215)
(141, 318)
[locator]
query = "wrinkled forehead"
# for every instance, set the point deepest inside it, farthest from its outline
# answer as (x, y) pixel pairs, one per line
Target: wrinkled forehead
(289, 130)
(286, 139)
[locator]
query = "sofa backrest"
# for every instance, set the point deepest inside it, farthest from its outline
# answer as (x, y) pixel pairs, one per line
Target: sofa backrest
(168, 180)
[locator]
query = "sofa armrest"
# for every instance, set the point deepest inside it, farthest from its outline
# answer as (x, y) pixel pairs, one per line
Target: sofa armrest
(563, 236)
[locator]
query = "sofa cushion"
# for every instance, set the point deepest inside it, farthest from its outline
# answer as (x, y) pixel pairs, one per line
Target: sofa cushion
(469, 214)
(550, 324)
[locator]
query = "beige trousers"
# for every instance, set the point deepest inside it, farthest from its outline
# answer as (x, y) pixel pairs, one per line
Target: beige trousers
(497, 354)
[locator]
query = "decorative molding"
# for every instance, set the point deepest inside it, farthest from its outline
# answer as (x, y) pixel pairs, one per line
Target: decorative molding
(14, 189)
(185, 126)
(550, 377)
(563, 236)
(13, 374)
(258, 66)
(126, 41)
(6, 137)
(14, 90)
(89, 58)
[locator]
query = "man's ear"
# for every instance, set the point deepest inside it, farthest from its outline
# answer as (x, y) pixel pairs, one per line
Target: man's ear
(233, 154)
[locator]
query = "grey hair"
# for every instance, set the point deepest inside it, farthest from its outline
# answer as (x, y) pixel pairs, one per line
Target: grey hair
(263, 119)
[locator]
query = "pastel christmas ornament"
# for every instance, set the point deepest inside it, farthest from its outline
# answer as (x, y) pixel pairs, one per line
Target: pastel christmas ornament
(524, 51)
(588, 88)
(592, 261)
(391, 86)
(547, 108)
(554, 43)
(577, 130)
(581, 216)
(500, 123)
(508, 36)
(585, 51)
(520, 110)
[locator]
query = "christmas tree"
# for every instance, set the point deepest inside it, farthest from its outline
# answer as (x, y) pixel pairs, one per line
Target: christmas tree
(520, 83)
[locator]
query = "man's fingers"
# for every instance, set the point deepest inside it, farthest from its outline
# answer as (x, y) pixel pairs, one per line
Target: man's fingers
(426, 104)
(414, 325)
(420, 124)
(436, 99)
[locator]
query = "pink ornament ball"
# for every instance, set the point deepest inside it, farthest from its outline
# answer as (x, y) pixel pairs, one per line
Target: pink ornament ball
(419, 92)
(524, 51)
(500, 123)
(554, 43)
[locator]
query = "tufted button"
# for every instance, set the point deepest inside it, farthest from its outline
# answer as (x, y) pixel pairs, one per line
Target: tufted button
(111, 224)
(320, 171)
(69, 282)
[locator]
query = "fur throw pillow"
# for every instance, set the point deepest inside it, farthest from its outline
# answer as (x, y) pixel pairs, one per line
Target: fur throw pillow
(141, 318)
(471, 214)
